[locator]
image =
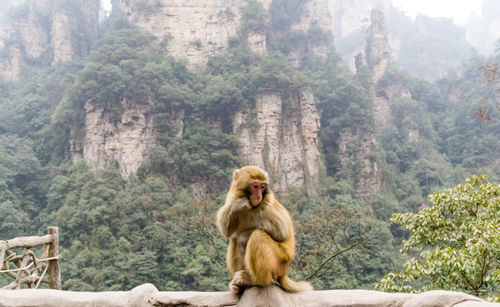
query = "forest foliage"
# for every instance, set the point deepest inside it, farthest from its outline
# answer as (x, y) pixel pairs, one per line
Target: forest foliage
(117, 233)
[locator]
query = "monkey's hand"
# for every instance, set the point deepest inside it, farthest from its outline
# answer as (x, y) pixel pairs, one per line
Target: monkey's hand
(228, 215)
(239, 205)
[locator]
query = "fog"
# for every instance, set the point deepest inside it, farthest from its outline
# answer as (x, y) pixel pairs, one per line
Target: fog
(458, 10)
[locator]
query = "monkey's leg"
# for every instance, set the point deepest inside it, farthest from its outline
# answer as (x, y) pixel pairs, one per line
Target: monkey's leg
(235, 260)
(265, 258)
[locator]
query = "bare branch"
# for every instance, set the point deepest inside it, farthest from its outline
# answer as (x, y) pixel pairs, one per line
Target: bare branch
(329, 259)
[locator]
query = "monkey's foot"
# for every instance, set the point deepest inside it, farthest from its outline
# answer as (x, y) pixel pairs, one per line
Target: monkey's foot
(239, 282)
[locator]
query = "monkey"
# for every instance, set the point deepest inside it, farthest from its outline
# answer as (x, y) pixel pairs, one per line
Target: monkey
(260, 231)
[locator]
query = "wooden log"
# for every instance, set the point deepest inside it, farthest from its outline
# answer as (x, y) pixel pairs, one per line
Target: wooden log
(270, 296)
(24, 272)
(54, 269)
(136, 297)
(273, 296)
(3, 250)
(40, 265)
(13, 257)
(25, 242)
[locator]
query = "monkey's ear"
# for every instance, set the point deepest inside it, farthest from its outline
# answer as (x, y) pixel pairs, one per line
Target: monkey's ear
(235, 174)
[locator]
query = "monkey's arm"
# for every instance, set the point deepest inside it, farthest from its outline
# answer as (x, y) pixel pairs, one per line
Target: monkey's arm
(228, 215)
(276, 221)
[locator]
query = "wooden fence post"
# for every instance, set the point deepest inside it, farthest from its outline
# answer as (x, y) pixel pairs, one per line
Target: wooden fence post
(54, 270)
(3, 249)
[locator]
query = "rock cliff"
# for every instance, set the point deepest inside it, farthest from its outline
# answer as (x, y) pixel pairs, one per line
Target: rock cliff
(128, 140)
(69, 24)
(353, 146)
(384, 91)
(42, 30)
(350, 19)
(194, 30)
(315, 15)
(284, 137)
(378, 51)
(198, 29)
(284, 143)
(357, 148)
(378, 59)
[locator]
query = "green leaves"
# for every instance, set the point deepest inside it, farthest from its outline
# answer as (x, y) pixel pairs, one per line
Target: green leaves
(202, 154)
(119, 65)
(254, 17)
(454, 244)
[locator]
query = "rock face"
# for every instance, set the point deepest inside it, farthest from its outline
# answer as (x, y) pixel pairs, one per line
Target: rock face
(257, 42)
(349, 18)
(194, 30)
(147, 295)
(351, 145)
(315, 15)
(10, 66)
(128, 140)
(198, 29)
(65, 26)
(378, 51)
(42, 27)
(354, 147)
(378, 59)
(284, 143)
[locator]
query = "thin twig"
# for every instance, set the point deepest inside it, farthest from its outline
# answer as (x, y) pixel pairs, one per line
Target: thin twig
(329, 259)
(41, 276)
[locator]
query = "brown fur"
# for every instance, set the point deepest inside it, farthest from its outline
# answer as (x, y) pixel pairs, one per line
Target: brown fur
(261, 238)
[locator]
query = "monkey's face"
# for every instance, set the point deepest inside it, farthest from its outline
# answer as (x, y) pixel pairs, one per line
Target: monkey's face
(257, 190)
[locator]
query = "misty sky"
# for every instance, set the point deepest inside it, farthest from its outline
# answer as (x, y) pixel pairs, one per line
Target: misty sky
(458, 10)
(106, 4)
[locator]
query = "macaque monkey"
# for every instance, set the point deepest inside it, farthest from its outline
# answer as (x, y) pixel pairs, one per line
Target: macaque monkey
(260, 232)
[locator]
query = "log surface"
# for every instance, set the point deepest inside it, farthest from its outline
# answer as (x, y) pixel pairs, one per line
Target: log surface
(26, 242)
(272, 296)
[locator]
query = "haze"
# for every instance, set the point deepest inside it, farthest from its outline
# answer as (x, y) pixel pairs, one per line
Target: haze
(458, 10)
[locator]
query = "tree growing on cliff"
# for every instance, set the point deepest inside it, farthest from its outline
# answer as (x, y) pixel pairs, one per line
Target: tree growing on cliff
(492, 74)
(454, 244)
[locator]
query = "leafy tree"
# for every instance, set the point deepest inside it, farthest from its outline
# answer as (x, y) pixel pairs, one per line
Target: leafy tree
(454, 244)
(22, 186)
(119, 65)
(466, 141)
(254, 17)
(492, 74)
(285, 12)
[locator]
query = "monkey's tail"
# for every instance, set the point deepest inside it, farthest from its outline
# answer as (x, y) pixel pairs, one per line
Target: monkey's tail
(293, 286)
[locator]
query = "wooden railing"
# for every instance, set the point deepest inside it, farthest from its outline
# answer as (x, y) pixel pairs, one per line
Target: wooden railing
(28, 269)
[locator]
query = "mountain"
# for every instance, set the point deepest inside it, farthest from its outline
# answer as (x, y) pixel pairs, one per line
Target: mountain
(46, 31)
(124, 132)
(437, 43)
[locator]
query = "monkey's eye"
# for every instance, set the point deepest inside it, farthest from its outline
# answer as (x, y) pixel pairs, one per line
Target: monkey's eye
(263, 187)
